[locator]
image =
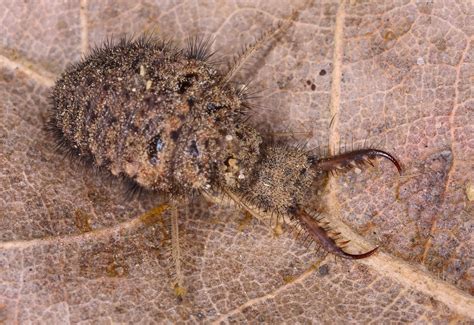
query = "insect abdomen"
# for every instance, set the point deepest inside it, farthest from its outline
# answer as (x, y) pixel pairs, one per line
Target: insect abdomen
(106, 108)
(151, 113)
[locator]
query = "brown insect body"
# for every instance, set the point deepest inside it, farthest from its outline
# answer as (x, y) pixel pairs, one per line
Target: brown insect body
(169, 121)
(157, 115)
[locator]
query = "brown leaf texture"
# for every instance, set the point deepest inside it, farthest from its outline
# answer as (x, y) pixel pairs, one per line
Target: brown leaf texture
(397, 74)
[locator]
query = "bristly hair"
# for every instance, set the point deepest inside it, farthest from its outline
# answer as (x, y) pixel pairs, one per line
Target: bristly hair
(133, 189)
(62, 145)
(247, 91)
(199, 48)
(145, 40)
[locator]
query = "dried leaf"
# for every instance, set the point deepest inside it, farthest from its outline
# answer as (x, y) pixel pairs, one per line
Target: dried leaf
(399, 74)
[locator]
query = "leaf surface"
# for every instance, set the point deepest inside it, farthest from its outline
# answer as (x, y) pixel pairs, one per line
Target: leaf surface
(398, 75)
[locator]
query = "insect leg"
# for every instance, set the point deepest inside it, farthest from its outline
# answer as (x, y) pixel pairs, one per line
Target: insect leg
(178, 286)
(252, 48)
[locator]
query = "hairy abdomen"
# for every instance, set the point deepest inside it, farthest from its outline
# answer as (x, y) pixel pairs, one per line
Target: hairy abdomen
(113, 109)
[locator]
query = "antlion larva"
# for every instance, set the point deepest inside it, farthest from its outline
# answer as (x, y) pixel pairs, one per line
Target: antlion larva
(172, 122)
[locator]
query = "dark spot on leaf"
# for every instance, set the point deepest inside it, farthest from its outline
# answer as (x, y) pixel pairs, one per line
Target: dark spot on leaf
(323, 270)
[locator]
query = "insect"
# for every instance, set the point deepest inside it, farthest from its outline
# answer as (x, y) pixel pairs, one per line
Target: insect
(168, 120)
